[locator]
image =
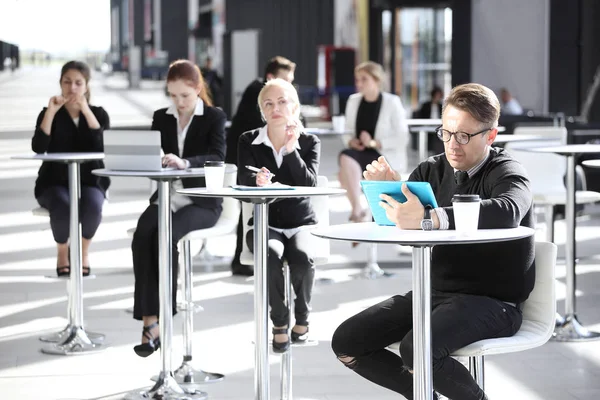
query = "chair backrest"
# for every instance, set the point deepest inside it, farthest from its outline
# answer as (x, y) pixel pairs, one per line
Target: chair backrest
(231, 206)
(551, 132)
(320, 205)
(545, 170)
(540, 307)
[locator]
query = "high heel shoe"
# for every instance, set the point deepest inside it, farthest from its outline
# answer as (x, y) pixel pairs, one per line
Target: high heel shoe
(280, 347)
(300, 337)
(153, 344)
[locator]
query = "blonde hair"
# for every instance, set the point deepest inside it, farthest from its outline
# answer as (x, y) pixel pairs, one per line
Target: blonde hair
(371, 68)
(287, 87)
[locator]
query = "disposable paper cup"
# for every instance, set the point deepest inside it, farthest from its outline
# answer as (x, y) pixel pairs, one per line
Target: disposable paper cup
(339, 123)
(466, 213)
(214, 174)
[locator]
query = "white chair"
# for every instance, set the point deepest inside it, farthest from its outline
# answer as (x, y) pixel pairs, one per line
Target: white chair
(321, 255)
(538, 318)
(539, 312)
(546, 172)
(226, 224)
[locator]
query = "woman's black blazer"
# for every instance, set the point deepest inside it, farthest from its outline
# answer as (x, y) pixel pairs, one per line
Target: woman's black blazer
(204, 141)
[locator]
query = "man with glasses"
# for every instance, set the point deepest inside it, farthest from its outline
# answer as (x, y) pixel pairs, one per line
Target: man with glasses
(476, 289)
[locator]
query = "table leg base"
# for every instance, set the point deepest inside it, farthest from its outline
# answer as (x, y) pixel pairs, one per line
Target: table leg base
(167, 389)
(560, 321)
(76, 342)
(373, 271)
(58, 337)
(572, 331)
(186, 375)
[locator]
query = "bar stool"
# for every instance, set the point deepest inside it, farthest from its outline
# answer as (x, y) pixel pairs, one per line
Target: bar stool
(59, 336)
(186, 375)
(538, 318)
(321, 255)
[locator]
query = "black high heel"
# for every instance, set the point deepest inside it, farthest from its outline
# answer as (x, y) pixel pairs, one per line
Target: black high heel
(300, 337)
(280, 347)
(146, 349)
(63, 271)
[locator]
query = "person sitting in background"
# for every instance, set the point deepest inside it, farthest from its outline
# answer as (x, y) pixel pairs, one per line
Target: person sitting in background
(286, 154)
(248, 117)
(432, 109)
(510, 105)
(213, 82)
(192, 132)
(379, 123)
(71, 125)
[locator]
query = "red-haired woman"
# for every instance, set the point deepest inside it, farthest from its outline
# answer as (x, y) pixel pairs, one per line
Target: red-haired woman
(71, 125)
(192, 132)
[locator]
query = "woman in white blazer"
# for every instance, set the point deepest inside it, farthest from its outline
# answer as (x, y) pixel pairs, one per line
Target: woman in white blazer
(379, 123)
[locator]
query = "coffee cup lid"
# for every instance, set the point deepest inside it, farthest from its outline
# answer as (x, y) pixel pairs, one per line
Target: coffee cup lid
(466, 198)
(214, 163)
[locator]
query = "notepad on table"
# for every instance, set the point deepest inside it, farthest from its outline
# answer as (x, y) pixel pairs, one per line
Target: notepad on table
(273, 186)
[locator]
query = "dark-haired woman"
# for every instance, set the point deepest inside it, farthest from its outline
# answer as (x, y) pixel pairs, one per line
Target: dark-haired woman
(71, 124)
(192, 132)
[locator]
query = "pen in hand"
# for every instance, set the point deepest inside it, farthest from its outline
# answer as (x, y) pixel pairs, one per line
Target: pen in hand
(257, 170)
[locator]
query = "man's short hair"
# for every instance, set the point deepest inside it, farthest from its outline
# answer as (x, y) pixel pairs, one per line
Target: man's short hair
(278, 63)
(478, 100)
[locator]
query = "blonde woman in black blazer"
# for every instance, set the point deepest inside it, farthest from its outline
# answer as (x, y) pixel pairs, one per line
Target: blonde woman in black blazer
(192, 132)
(287, 155)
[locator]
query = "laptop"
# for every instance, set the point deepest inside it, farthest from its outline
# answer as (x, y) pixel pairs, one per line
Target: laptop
(131, 150)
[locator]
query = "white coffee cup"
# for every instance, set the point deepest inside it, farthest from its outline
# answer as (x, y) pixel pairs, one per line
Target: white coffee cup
(466, 212)
(339, 123)
(214, 174)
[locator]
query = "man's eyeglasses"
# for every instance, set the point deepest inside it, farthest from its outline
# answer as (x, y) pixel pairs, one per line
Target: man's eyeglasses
(461, 137)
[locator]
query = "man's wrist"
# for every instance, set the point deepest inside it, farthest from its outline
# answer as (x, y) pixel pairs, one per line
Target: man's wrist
(435, 219)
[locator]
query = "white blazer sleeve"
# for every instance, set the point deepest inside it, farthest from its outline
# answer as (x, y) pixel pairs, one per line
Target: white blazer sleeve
(394, 135)
(350, 114)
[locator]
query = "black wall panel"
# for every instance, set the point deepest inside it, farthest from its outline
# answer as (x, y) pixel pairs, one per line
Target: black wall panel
(174, 22)
(289, 28)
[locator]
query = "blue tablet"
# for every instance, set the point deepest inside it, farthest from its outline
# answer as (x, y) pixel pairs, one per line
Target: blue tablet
(372, 190)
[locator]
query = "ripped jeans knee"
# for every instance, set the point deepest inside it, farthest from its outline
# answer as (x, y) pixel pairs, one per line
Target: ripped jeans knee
(348, 361)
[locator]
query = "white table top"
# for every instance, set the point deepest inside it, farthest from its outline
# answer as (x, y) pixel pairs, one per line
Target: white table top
(325, 132)
(371, 232)
(506, 138)
(592, 163)
(159, 175)
(298, 191)
(424, 121)
(61, 157)
(431, 127)
(566, 150)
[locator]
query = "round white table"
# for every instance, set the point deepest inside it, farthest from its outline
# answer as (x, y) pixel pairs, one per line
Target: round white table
(166, 386)
(326, 132)
(73, 339)
(261, 198)
(570, 329)
(421, 242)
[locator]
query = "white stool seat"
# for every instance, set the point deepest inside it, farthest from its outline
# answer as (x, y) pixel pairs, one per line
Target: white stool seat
(539, 316)
(531, 334)
(224, 226)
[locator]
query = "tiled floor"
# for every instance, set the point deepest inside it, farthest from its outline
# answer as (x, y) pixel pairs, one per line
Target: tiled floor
(31, 305)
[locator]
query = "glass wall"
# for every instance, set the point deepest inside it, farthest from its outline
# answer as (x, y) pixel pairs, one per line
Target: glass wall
(417, 52)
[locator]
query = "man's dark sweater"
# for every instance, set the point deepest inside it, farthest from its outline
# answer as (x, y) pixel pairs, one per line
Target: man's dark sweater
(503, 270)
